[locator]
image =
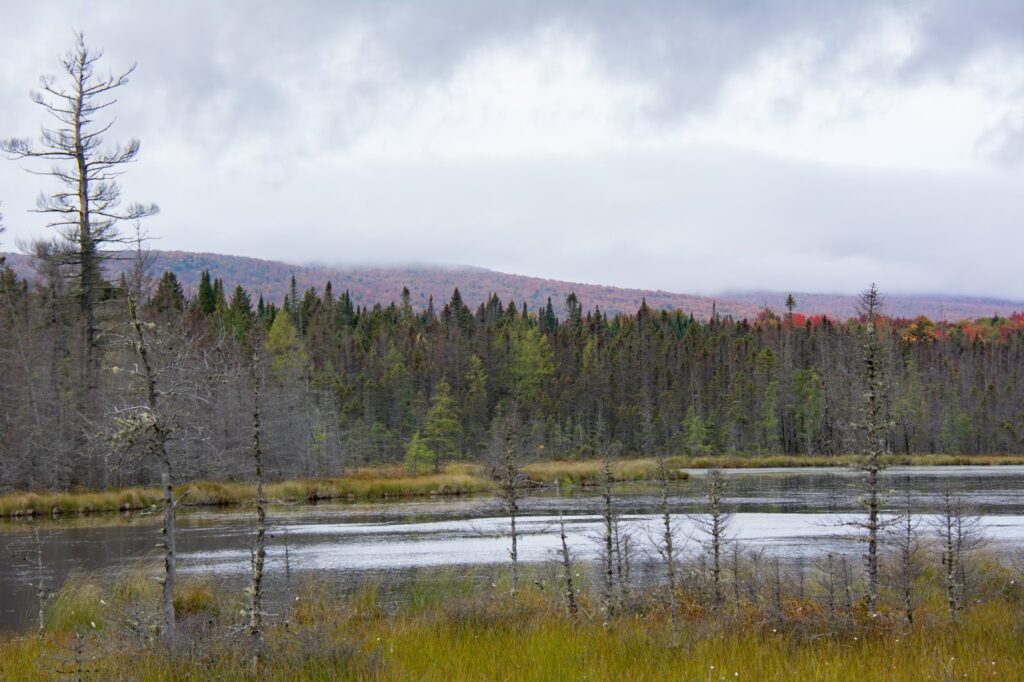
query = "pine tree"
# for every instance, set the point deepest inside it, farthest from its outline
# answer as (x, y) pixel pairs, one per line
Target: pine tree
(206, 296)
(287, 353)
(573, 312)
(169, 296)
(240, 312)
(442, 431)
(696, 432)
(530, 364)
(474, 413)
(220, 301)
(417, 454)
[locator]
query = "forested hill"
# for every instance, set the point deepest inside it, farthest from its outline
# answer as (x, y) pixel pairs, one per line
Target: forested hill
(368, 285)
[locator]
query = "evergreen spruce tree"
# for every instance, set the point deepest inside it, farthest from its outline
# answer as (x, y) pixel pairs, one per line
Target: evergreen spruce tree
(696, 432)
(442, 431)
(168, 296)
(205, 295)
(240, 312)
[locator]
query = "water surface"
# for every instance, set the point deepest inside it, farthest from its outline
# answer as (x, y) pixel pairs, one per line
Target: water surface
(792, 513)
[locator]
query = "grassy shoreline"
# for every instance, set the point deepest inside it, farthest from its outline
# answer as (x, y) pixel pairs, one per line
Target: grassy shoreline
(455, 631)
(383, 483)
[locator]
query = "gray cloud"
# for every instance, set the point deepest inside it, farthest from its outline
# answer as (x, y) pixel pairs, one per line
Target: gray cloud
(248, 110)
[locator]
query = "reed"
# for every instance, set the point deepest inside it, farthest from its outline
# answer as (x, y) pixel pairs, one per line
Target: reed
(458, 633)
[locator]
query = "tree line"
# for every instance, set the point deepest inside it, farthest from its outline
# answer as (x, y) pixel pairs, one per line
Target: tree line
(348, 385)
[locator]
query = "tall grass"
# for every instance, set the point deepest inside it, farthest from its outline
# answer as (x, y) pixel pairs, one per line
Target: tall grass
(591, 471)
(365, 484)
(390, 482)
(456, 633)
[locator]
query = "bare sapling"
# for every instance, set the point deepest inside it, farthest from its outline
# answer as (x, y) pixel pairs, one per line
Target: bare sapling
(846, 573)
(737, 579)
(667, 549)
(908, 555)
(506, 468)
(778, 610)
(714, 524)
(567, 570)
(623, 562)
(34, 559)
(960, 534)
(828, 568)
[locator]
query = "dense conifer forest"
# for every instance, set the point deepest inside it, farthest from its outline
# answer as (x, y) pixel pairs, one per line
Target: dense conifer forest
(348, 386)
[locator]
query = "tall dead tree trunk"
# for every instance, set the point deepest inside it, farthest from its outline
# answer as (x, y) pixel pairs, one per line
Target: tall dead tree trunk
(86, 208)
(608, 540)
(874, 427)
(149, 420)
(260, 554)
(40, 583)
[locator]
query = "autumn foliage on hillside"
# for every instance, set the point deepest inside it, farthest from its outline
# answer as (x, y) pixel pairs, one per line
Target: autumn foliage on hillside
(371, 285)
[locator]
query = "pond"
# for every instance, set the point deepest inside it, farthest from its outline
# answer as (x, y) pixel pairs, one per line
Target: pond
(792, 513)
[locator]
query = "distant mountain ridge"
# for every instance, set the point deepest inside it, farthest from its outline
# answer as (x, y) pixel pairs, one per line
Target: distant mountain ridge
(368, 285)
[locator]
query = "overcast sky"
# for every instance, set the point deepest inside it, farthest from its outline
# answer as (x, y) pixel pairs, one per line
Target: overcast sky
(694, 147)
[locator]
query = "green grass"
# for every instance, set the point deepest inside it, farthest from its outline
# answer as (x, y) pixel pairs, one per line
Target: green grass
(455, 632)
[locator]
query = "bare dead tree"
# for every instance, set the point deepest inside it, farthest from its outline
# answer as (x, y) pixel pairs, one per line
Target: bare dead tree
(846, 573)
(143, 259)
(41, 594)
(506, 469)
(737, 594)
(828, 567)
(567, 570)
(145, 426)
(667, 548)
(775, 577)
(874, 427)
(171, 372)
(800, 570)
(960, 533)
(86, 208)
(608, 538)
(623, 545)
(260, 551)
(904, 538)
(714, 524)
(33, 557)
